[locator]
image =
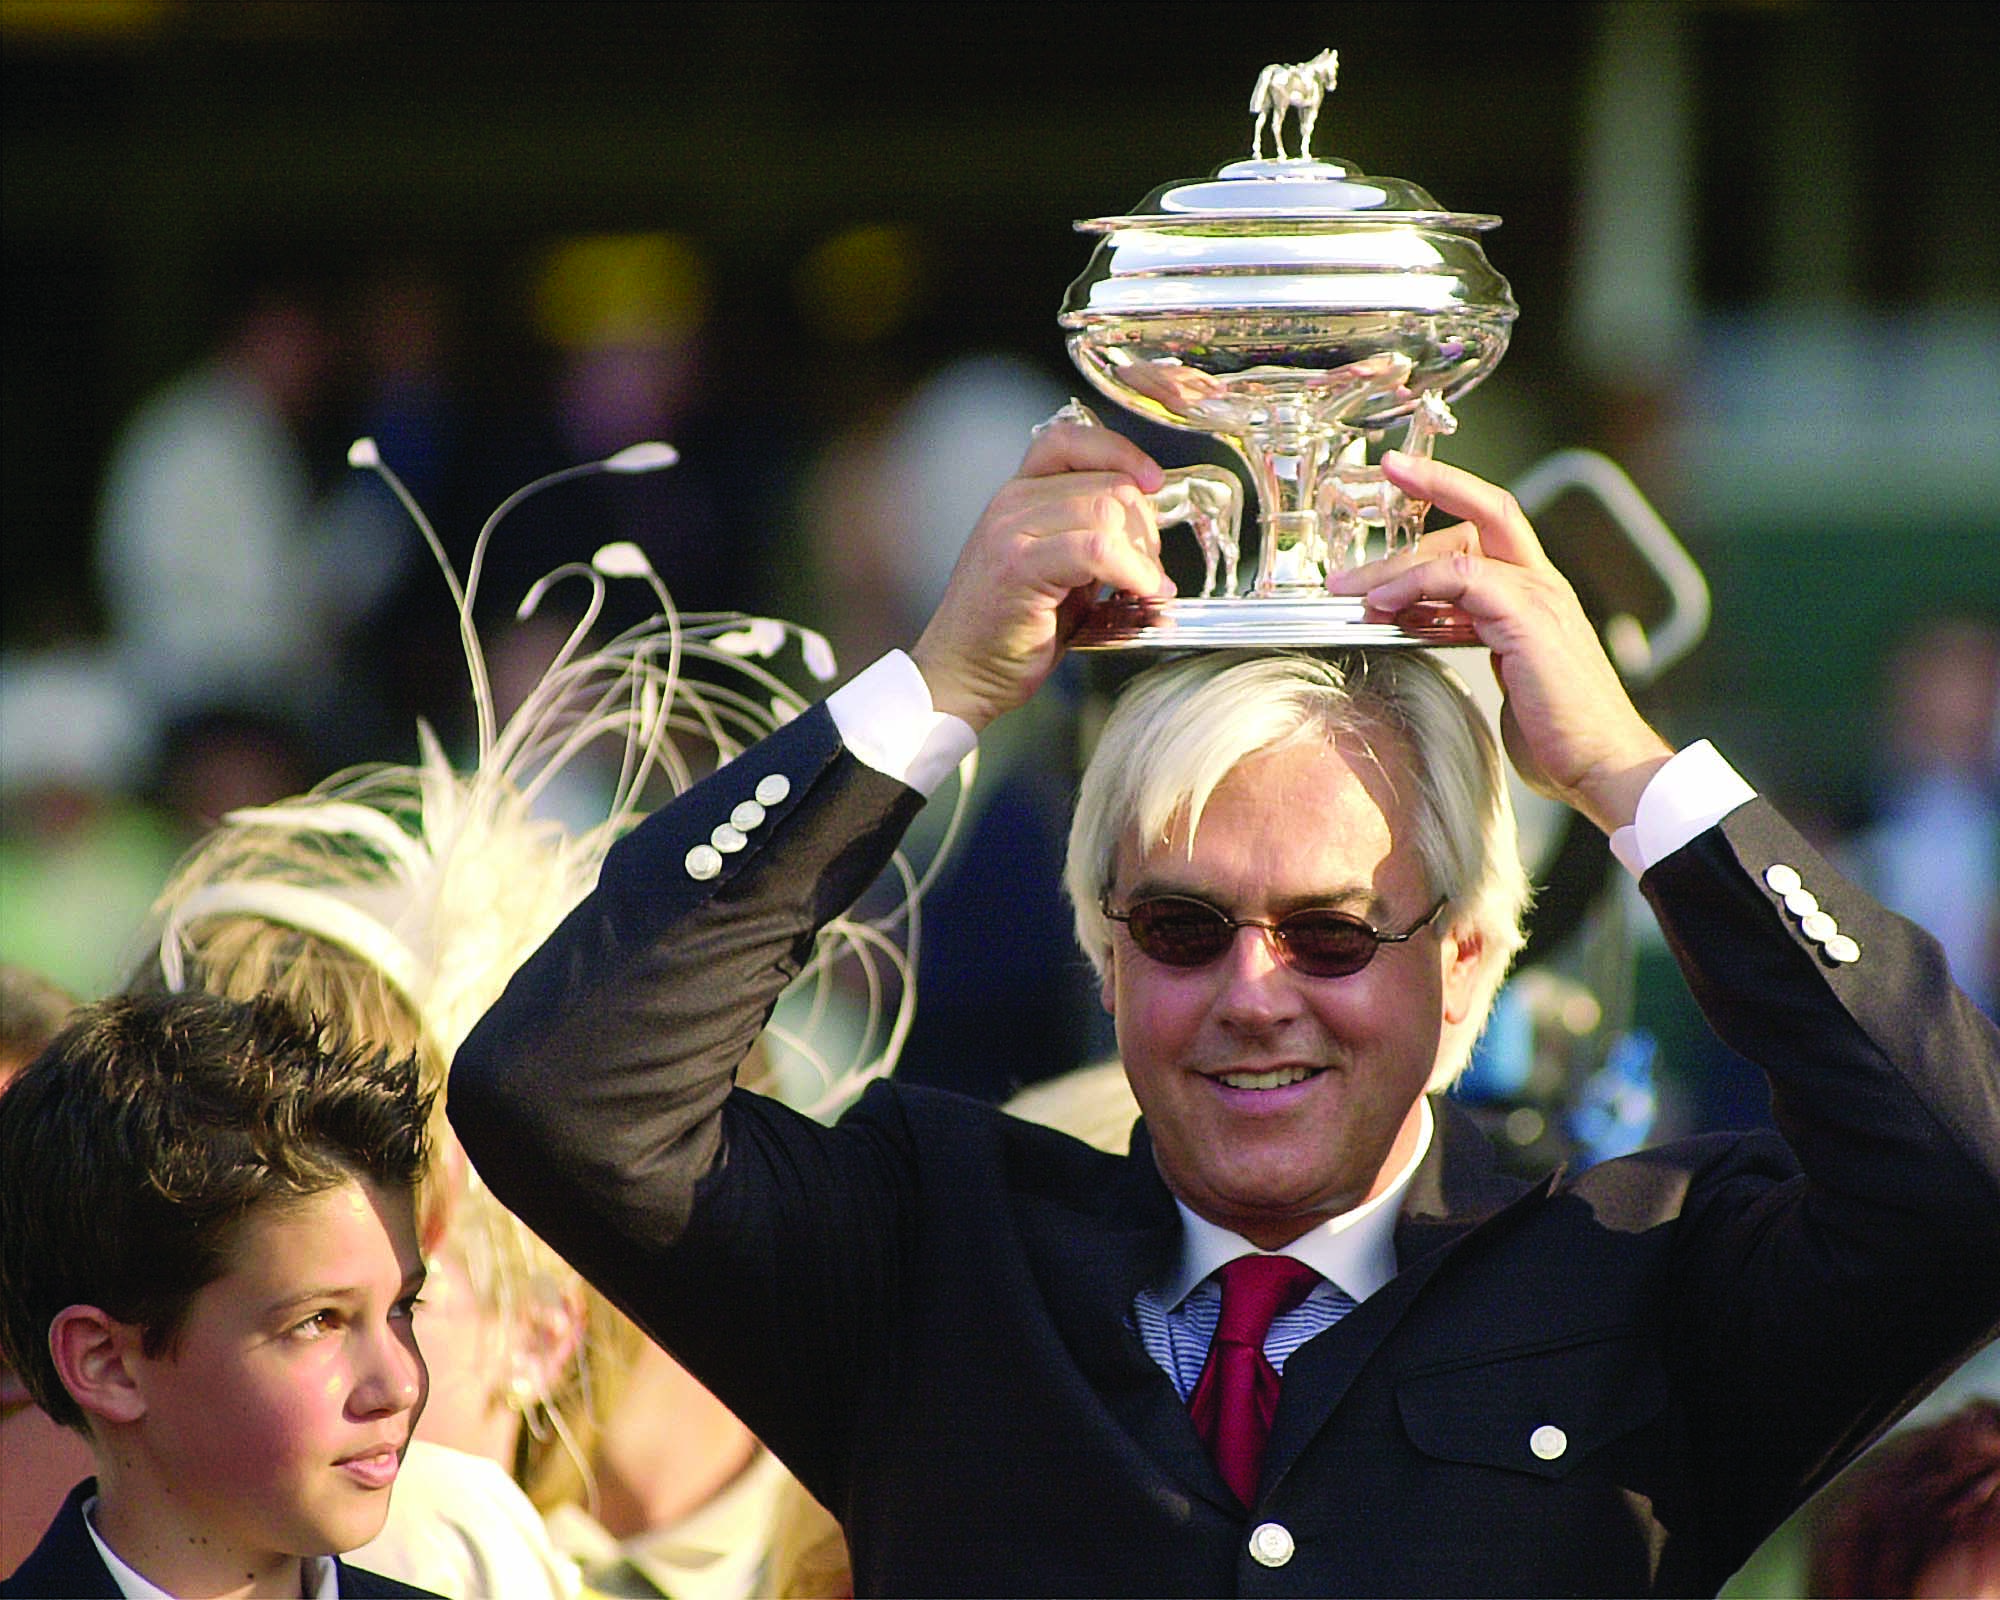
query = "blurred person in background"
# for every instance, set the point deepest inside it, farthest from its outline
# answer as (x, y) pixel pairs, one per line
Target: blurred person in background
(82, 853)
(1006, 1002)
(404, 324)
(620, 331)
(1933, 851)
(559, 1447)
(217, 759)
(216, 587)
(39, 1458)
(1918, 1518)
(686, 1501)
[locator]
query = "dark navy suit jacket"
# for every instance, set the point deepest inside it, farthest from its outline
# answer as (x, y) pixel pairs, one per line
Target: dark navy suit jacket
(66, 1564)
(1611, 1383)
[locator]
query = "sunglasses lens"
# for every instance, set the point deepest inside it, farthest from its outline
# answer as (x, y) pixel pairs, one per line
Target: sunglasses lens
(1179, 933)
(1326, 944)
(1191, 933)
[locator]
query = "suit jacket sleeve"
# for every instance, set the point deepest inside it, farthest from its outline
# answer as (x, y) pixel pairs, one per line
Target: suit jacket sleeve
(595, 1098)
(1821, 1289)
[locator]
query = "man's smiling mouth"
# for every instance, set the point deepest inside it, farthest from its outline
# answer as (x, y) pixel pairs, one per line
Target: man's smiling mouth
(1277, 1078)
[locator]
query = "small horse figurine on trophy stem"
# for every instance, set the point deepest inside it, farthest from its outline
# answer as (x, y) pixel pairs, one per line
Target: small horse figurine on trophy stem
(1300, 88)
(1354, 495)
(1208, 499)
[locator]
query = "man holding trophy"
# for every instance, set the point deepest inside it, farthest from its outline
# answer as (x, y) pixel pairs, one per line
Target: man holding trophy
(1306, 1338)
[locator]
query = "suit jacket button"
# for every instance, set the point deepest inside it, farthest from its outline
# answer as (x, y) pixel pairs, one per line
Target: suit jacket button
(772, 788)
(747, 815)
(1819, 927)
(1802, 902)
(1548, 1442)
(1782, 879)
(1841, 948)
(727, 839)
(1271, 1544)
(704, 861)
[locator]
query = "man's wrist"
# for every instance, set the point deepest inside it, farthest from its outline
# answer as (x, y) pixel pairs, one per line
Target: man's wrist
(1688, 795)
(885, 718)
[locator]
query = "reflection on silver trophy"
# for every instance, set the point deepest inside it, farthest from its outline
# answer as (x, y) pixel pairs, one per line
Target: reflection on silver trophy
(1301, 312)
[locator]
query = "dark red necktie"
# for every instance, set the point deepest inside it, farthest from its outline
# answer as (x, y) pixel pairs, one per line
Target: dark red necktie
(1237, 1394)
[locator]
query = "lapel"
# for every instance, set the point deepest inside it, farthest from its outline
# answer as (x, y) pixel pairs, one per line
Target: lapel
(1090, 1278)
(1092, 1275)
(357, 1583)
(1459, 1188)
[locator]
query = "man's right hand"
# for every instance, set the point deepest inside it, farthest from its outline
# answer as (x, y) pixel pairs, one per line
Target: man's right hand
(1074, 518)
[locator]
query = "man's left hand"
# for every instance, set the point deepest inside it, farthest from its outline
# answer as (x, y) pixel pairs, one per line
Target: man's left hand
(1569, 726)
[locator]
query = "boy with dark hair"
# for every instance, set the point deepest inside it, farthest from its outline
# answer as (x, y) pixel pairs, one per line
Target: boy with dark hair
(208, 1264)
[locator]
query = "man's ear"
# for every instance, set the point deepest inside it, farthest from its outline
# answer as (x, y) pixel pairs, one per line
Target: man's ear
(94, 1355)
(1464, 958)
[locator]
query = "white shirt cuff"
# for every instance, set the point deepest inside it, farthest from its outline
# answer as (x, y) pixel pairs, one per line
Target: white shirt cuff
(1688, 796)
(885, 718)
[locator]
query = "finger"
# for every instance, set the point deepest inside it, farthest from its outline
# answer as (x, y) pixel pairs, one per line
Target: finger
(1080, 529)
(1490, 592)
(1037, 507)
(1439, 542)
(1116, 545)
(1504, 529)
(1073, 447)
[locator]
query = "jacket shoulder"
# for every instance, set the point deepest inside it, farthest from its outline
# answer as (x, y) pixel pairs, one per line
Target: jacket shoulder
(366, 1585)
(66, 1561)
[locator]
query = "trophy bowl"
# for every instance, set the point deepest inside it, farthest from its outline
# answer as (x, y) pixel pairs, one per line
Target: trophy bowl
(1297, 310)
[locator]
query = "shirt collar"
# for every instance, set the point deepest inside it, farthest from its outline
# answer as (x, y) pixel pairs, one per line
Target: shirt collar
(716, 1552)
(321, 1578)
(1355, 1251)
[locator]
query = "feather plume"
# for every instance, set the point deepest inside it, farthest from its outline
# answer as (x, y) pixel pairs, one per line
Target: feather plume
(401, 899)
(443, 880)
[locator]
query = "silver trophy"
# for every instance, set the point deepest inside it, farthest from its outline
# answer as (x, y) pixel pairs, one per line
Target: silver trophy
(1301, 312)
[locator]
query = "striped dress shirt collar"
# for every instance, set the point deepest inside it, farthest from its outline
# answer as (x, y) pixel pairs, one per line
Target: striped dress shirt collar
(1355, 1251)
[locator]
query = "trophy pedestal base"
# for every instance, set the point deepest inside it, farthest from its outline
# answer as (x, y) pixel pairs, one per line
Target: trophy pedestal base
(1124, 623)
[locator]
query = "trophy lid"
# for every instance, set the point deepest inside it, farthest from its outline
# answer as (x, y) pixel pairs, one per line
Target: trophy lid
(1288, 232)
(1242, 195)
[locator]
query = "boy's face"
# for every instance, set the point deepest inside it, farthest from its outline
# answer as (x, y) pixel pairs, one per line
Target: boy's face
(278, 1423)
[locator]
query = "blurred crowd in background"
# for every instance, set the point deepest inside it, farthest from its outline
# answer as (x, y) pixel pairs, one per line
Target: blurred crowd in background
(208, 609)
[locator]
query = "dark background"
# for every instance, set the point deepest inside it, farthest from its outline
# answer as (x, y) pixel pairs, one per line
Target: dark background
(151, 147)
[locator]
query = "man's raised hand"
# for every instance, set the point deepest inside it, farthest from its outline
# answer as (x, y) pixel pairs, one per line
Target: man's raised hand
(1073, 519)
(1570, 727)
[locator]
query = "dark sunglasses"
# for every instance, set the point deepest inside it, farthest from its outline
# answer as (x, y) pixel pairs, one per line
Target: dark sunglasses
(1177, 931)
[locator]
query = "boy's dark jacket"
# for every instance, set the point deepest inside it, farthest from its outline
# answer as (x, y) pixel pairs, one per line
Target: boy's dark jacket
(66, 1564)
